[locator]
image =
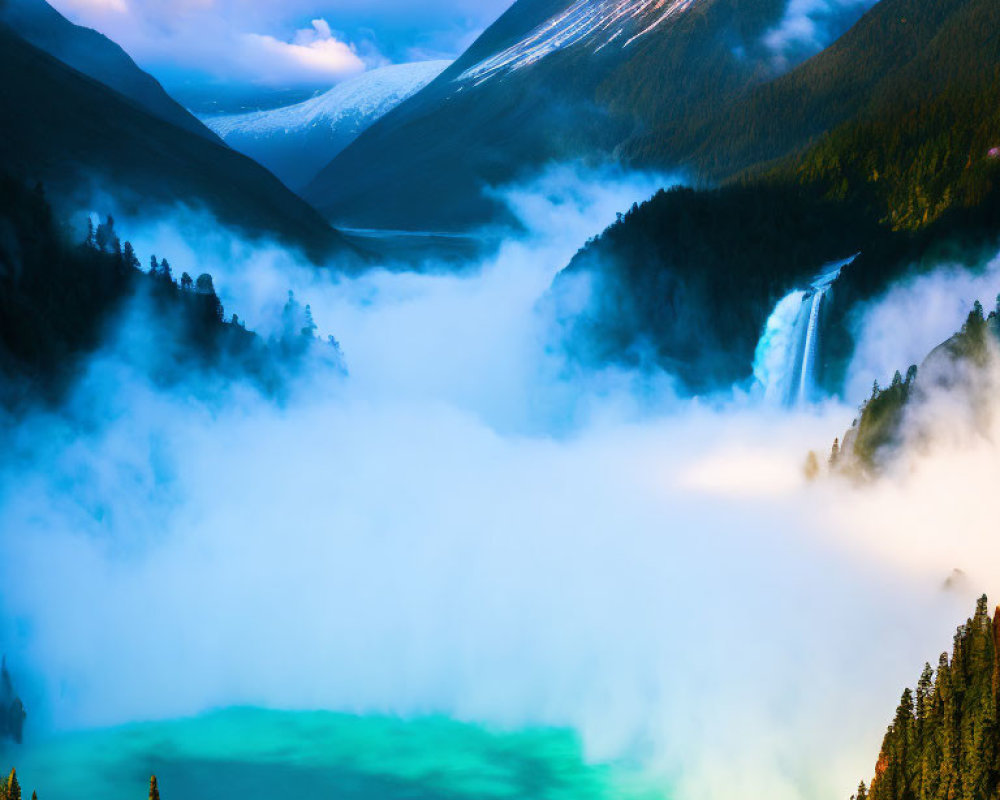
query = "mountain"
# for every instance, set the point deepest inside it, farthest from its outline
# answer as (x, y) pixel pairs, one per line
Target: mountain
(944, 740)
(898, 54)
(78, 136)
(295, 142)
(550, 80)
(909, 179)
(95, 55)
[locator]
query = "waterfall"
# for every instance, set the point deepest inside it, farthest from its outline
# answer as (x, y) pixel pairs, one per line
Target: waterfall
(788, 350)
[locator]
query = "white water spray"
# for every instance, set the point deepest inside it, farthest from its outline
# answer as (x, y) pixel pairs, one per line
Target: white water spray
(788, 350)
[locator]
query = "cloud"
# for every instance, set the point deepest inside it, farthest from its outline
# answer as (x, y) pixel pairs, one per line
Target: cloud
(314, 55)
(97, 7)
(941, 299)
(810, 25)
(272, 42)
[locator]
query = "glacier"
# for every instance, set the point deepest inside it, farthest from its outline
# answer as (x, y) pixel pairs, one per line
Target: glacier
(297, 141)
(788, 350)
(600, 23)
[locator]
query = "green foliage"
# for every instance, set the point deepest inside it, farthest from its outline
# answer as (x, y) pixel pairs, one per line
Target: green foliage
(694, 274)
(945, 742)
(882, 424)
(879, 145)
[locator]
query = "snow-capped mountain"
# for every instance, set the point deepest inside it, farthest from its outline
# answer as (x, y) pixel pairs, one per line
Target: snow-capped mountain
(551, 81)
(295, 142)
(598, 23)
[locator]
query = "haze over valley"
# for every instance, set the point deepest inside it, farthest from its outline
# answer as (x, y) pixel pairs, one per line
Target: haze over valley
(567, 400)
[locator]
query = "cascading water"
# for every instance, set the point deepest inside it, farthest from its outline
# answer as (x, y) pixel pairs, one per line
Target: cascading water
(785, 360)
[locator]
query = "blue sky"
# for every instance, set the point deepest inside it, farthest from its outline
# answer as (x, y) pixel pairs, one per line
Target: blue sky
(282, 43)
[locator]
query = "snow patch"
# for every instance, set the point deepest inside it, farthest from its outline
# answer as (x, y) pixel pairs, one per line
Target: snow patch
(596, 22)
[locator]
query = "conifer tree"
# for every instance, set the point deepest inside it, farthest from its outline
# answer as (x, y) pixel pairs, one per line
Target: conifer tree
(154, 790)
(129, 261)
(944, 741)
(309, 329)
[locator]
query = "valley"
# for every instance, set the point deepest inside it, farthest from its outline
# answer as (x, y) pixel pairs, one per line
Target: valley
(577, 399)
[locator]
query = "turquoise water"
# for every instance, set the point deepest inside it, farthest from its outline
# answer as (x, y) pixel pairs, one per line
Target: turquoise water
(252, 753)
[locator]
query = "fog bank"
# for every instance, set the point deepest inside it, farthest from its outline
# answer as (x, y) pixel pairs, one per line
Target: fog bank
(468, 525)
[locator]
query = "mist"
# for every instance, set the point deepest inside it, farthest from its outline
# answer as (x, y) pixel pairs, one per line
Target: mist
(467, 524)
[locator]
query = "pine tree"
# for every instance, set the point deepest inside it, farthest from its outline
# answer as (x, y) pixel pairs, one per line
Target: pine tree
(154, 790)
(13, 787)
(309, 329)
(129, 261)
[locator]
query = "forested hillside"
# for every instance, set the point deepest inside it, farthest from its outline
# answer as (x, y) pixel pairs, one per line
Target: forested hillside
(958, 368)
(911, 179)
(61, 290)
(428, 162)
(900, 53)
(944, 741)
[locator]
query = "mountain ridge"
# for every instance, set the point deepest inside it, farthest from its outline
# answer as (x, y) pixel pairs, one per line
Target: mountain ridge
(296, 141)
(74, 134)
(96, 56)
(436, 154)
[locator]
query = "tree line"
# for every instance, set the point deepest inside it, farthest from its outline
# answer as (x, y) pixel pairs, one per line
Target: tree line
(944, 740)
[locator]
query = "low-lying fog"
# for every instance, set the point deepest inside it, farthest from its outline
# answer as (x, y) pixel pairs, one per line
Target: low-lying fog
(467, 525)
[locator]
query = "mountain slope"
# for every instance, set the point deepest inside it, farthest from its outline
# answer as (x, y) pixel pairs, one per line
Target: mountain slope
(295, 142)
(897, 52)
(907, 181)
(93, 54)
(548, 81)
(76, 135)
